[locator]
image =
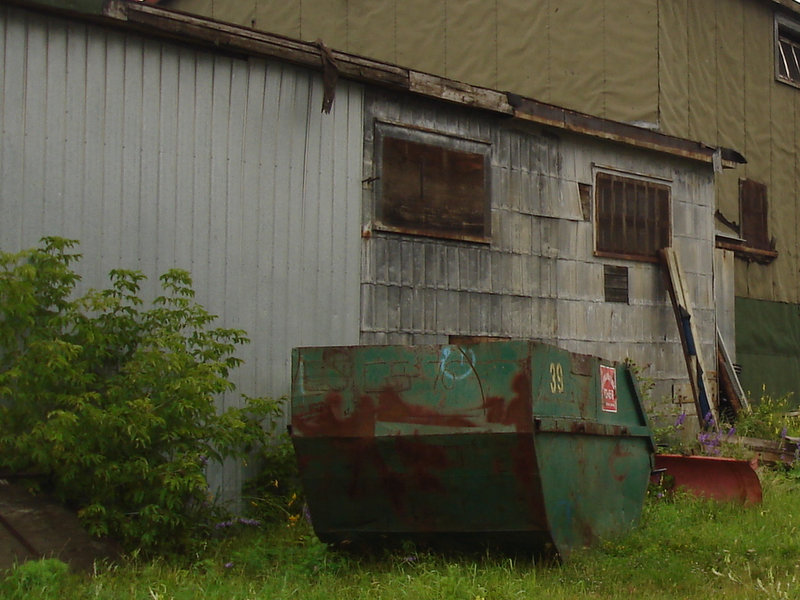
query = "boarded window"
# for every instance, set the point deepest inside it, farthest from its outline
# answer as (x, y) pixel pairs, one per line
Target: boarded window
(753, 206)
(787, 50)
(432, 184)
(632, 217)
(615, 283)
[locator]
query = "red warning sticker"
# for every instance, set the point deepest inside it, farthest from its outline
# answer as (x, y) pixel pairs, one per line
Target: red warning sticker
(608, 388)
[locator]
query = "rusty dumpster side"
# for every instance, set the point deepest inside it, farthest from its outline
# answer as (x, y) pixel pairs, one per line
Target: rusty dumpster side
(516, 441)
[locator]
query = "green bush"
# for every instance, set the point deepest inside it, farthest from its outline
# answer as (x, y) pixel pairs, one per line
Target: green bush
(44, 578)
(112, 405)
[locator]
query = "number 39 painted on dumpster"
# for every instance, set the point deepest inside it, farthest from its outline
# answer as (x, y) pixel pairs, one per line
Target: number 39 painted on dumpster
(556, 378)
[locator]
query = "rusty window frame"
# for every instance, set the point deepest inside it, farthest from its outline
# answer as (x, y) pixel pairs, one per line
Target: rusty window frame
(452, 200)
(787, 50)
(633, 216)
(753, 214)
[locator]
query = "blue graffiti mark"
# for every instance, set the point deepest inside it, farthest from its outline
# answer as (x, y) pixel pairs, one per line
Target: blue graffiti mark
(455, 363)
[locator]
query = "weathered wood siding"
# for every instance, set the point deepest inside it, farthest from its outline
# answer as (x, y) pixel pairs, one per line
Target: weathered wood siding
(156, 155)
(539, 277)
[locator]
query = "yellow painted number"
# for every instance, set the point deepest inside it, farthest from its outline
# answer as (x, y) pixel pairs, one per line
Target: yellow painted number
(556, 378)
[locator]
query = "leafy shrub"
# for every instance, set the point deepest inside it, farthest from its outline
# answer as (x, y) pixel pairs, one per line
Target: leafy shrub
(112, 404)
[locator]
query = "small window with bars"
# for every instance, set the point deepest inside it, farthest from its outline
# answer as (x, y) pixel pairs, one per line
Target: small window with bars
(632, 217)
(787, 51)
(615, 283)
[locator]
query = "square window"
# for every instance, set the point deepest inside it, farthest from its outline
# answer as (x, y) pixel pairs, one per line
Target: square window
(787, 50)
(632, 217)
(432, 184)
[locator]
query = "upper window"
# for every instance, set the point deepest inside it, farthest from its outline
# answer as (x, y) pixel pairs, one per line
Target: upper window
(787, 50)
(432, 184)
(632, 217)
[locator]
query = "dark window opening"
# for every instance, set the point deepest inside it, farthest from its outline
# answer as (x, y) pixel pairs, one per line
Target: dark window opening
(753, 206)
(615, 283)
(432, 184)
(632, 217)
(787, 51)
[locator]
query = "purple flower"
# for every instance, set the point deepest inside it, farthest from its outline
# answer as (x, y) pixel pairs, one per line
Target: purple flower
(681, 418)
(784, 432)
(250, 522)
(223, 524)
(228, 565)
(731, 431)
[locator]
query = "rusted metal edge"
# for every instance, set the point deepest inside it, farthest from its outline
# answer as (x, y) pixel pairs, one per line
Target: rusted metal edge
(581, 426)
(234, 38)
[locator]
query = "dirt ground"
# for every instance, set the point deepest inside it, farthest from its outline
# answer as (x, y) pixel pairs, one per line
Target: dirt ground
(35, 527)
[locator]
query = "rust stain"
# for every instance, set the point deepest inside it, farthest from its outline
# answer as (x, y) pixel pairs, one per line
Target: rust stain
(526, 477)
(421, 459)
(392, 409)
(617, 454)
(517, 411)
(330, 418)
(417, 469)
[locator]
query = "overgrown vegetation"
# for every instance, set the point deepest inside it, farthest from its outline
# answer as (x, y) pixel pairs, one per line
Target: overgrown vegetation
(111, 405)
(275, 493)
(769, 418)
(684, 548)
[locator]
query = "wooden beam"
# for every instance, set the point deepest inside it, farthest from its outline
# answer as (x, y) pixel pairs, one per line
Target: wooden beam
(690, 341)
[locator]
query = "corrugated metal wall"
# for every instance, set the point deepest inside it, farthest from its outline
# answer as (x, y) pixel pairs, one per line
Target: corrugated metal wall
(156, 155)
(539, 277)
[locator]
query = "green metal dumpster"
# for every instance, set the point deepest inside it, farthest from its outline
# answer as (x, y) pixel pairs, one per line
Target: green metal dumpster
(512, 441)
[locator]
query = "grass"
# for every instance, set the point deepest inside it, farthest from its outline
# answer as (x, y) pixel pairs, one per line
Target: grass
(684, 548)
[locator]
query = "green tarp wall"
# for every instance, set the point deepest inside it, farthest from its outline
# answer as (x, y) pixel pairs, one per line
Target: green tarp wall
(768, 347)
